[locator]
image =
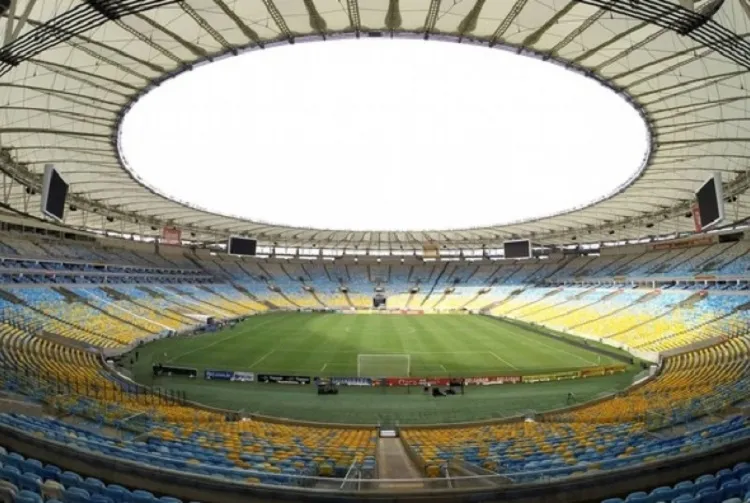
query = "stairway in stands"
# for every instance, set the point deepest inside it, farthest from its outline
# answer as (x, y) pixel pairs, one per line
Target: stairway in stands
(645, 298)
(191, 301)
(235, 305)
(116, 295)
(395, 466)
(42, 316)
(317, 299)
(242, 289)
(696, 297)
(435, 284)
(71, 296)
(511, 295)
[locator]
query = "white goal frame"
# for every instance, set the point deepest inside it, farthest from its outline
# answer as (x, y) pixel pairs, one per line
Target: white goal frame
(383, 355)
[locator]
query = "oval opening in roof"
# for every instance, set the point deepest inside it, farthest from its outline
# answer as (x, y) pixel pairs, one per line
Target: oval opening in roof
(380, 134)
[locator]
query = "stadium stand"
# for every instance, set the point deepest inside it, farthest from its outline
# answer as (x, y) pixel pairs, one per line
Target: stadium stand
(71, 300)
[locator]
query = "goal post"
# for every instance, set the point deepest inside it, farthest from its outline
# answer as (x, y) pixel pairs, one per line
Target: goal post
(384, 365)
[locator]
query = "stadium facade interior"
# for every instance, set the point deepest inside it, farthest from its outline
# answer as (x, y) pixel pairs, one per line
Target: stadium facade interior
(92, 276)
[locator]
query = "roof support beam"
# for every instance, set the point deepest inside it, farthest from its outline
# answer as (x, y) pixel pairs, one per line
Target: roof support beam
(352, 8)
(8, 34)
(206, 26)
(244, 28)
(431, 18)
(506, 23)
(195, 49)
(20, 22)
(273, 11)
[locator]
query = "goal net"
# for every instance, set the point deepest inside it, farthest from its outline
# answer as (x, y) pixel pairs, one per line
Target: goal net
(384, 365)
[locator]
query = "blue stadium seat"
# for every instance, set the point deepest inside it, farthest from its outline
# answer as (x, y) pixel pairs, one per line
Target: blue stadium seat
(11, 474)
(732, 489)
(118, 493)
(724, 475)
(32, 466)
(663, 494)
(638, 497)
(30, 482)
(28, 497)
(140, 496)
(51, 472)
(70, 479)
(709, 495)
(684, 487)
(92, 485)
(76, 495)
(705, 481)
(100, 498)
(686, 498)
(741, 469)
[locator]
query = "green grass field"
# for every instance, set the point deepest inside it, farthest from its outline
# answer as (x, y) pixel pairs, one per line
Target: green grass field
(329, 345)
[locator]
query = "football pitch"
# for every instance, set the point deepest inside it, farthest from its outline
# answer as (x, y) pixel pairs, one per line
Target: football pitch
(341, 345)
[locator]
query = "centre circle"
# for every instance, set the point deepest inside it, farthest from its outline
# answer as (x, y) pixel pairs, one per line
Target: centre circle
(384, 134)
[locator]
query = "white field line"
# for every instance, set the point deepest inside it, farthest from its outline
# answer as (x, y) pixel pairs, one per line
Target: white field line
(542, 343)
(555, 350)
(571, 354)
(323, 367)
(261, 359)
(214, 343)
(503, 360)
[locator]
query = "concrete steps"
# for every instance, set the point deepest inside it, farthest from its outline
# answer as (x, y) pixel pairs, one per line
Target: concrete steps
(394, 464)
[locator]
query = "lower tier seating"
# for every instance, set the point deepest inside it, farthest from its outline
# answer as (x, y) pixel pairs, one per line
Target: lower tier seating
(25, 480)
(729, 485)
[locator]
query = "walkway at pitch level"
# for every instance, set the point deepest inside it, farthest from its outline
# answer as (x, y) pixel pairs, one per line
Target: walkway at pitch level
(396, 465)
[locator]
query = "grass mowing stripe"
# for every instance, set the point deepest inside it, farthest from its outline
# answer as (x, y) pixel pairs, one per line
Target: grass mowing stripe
(538, 340)
(220, 341)
(567, 352)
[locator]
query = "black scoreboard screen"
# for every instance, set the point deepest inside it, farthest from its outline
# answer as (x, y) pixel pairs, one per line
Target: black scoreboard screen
(54, 193)
(517, 249)
(711, 202)
(241, 246)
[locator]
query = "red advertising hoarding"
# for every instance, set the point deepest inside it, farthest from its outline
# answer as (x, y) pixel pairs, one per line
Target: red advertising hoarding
(417, 381)
(171, 236)
(697, 217)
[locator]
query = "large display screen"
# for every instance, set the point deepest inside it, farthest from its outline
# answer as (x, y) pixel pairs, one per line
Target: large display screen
(711, 202)
(517, 249)
(54, 193)
(241, 246)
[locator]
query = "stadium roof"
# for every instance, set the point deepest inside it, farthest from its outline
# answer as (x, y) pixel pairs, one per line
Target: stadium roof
(70, 69)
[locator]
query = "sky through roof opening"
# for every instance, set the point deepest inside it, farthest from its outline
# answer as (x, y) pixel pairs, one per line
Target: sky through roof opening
(384, 135)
